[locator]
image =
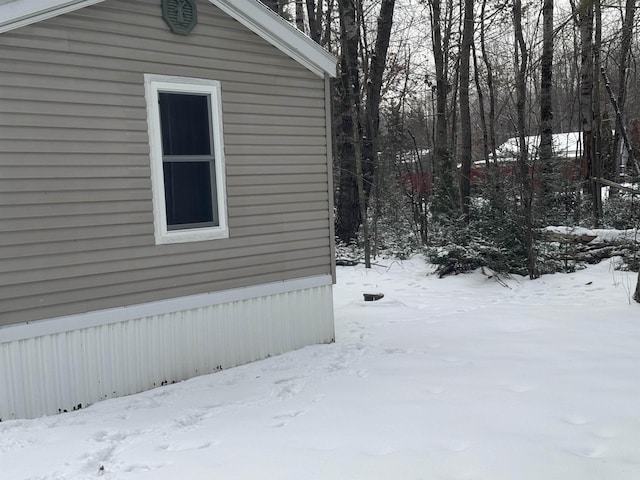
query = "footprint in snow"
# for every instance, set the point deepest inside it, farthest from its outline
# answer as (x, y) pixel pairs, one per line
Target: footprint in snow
(522, 388)
(436, 389)
(295, 414)
(337, 366)
(187, 445)
(575, 419)
(137, 467)
(457, 446)
(111, 437)
(192, 419)
(603, 433)
(451, 360)
(284, 419)
(590, 451)
(380, 452)
(7, 444)
(289, 387)
(396, 351)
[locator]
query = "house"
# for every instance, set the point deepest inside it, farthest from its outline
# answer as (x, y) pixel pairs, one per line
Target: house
(165, 195)
(565, 146)
(417, 176)
(567, 150)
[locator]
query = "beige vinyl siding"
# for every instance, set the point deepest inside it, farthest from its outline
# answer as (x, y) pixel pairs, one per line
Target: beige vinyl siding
(75, 191)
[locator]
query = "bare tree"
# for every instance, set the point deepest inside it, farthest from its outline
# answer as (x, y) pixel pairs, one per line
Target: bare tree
(300, 15)
(521, 64)
(362, 201)
(584, 16)
(272, 4)
(445, 195)
(348, 92)
(625, 48)
(481, 112)
(623, 76)
(465, 110)
(376, 68)
(354, 66)
(374, 81)
(314, 17)
(490, 85)
(546, 106)
(596, 161)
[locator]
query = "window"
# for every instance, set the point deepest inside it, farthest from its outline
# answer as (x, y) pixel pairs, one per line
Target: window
(187, 162)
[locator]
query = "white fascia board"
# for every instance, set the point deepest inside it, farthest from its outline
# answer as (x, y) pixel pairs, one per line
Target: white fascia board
(98, 318)
(277, 31)
(19, 13)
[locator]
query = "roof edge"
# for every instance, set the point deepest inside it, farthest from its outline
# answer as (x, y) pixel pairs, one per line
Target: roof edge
(251, 13)
(24, 12)
(277, 31)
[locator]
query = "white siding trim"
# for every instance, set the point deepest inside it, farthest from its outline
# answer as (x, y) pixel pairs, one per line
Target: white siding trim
(329, 129)
(68, 323)
(58, 372)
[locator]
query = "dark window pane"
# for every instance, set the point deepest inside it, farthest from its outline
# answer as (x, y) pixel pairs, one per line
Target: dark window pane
(184, 120)
(188, 198)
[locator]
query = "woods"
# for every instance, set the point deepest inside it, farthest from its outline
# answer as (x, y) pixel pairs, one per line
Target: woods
(468, 128)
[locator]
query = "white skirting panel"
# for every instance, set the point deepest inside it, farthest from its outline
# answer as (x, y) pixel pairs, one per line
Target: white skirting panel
(60, 371)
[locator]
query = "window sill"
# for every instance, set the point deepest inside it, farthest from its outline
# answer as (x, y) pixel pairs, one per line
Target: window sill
(191, 235)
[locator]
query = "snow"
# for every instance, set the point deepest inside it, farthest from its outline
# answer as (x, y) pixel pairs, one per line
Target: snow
(565, 145)
(466, 377)
(601, 235)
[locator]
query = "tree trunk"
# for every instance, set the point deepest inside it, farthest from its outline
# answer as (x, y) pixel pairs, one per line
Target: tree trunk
(444, 189)
(272, 4)
(374, 90)
(546, 109)
(348, 86)
(585, 24)
(490, 86)
(453, 116)
(371, 124)
(465, 110)
(349, 210)
(300, 15)
(625, 49)
(362, 201)
(481, 112)
(326, 36)
(521, 60)
(620, 128)
(314, 17)
(596, 160)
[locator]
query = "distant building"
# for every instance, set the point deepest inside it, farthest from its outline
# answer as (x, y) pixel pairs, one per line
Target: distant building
(565, 145)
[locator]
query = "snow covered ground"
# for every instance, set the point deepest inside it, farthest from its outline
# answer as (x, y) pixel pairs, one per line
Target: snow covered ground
(455, 378)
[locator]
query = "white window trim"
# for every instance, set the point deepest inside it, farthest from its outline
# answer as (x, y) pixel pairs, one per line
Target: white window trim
(163, 83)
